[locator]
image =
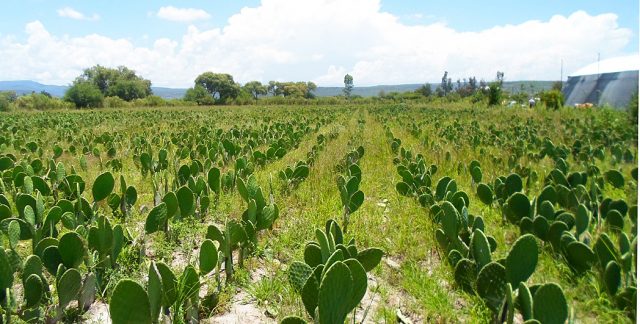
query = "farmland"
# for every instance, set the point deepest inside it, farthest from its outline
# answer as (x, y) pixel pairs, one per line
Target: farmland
(358, 212)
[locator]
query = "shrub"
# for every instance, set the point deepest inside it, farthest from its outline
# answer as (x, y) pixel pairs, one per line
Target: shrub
(84, 95)
(494, 94)
(6, 98)
(114, 102)
(40, 101)
(552, 99)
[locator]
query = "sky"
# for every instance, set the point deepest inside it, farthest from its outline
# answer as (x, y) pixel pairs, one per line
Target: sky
(376, 41)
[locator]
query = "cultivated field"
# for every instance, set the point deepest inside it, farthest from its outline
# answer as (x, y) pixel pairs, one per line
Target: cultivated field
(440, 214)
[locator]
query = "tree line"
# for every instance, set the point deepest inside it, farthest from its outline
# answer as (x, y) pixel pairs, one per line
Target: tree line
(100, 86)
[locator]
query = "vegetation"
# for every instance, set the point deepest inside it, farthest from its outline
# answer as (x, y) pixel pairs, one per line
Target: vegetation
(433, 212)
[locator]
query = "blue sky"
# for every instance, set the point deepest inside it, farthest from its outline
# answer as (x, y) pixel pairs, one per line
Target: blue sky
(370, 27)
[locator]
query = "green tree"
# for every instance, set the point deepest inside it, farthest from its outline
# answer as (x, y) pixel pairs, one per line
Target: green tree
(128, 90)
(348, 86)
(219, 85)
(425, 90)
(84, 94)
(494, 94)
(120, 82)
(199, 95)
(275, 88)
(310, 92)
(256, 89)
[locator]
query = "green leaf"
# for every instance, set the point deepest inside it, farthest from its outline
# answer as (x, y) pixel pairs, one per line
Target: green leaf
(129, 304)
(102, 186)
(33, 290)
(185, 201)
(208, 257)
(335, 293)
(298, 274)
(522, 260)
(155, 291)
(68, 287)
(491, 285)
(72, 249)
(156, 219)
(550, 305)
(370, 258)
(485, 193)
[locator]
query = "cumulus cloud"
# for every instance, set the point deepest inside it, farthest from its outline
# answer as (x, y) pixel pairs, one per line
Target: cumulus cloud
(68, 12)
(321, 40)
(182, 14)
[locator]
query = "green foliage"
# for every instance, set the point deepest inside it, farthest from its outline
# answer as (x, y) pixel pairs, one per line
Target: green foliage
(84, 95)
(119, 82)
(6, 99)
(552, 99)
(494, 94)
(39, 101)
(198, 94)
(348, 86)
(220, 86)
(255, 88)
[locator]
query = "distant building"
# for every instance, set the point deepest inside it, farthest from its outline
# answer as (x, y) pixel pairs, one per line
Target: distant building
(609, 82)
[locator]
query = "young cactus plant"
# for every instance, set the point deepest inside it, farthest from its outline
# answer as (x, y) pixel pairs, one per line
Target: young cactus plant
(332, 279)
(350, 194)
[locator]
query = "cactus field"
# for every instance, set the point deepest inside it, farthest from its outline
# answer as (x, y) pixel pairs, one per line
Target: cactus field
(363, 213)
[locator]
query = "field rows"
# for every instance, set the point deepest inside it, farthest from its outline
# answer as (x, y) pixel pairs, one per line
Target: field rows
(214, 175)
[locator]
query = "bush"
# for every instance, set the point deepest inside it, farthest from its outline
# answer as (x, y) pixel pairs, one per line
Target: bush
(552, 99)
(114, 102)
(40, 101)
(84, 95)
(199, 95)
(494, 94)
(6, 98)
(150, 101)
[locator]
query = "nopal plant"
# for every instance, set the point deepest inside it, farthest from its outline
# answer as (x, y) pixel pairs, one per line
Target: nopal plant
(332, 279)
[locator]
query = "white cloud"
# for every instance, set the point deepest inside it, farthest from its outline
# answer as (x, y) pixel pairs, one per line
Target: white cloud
(182, 14)
(68, 12)
(321, 40)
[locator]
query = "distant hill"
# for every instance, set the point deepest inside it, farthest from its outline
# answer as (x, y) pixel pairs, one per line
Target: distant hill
(22, 87)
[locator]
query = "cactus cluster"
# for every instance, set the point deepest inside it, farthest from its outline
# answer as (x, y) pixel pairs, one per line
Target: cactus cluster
(332, 280)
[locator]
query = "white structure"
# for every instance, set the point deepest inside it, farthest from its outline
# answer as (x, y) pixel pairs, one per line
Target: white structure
(608, 82)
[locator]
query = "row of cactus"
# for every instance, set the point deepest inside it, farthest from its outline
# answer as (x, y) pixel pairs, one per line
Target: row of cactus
(66, 238)
(501, 283)
(292, 176)
(332, 280)
(569, 213)
(349, 184)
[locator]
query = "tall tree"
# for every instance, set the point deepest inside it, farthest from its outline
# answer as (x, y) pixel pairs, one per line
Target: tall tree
(443, 84)
(120, 82)
(256, 89)
(348, 86)
(220, 85)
